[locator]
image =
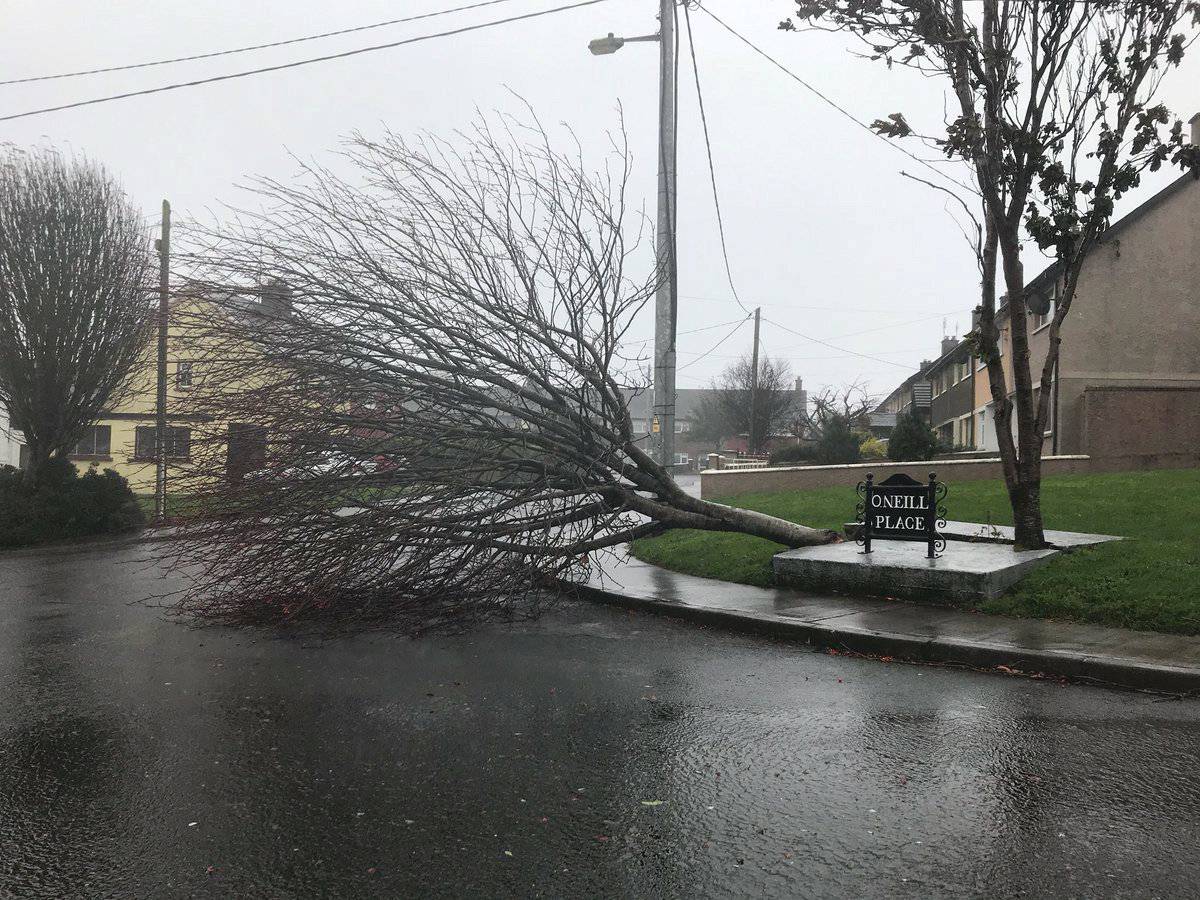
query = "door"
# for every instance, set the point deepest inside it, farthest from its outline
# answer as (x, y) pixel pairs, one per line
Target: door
(247, 449)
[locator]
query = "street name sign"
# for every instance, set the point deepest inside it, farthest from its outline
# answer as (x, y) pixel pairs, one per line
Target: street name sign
(902, 509)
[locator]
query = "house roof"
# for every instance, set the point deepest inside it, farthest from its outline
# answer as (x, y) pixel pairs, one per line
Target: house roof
(951, 355)
(687, 402)
(1049, 275)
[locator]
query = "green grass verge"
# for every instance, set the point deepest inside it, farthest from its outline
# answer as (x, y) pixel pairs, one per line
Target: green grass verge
(179, 506)
(1149, 583)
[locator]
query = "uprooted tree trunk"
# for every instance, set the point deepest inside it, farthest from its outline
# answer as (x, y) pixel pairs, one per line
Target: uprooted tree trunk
(423, 369)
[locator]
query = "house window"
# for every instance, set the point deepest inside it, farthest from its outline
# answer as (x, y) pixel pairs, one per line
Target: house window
(183, 375)
(178, 443)
(96, 441)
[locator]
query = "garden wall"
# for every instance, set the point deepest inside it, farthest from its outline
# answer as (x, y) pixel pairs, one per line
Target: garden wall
(726, 483)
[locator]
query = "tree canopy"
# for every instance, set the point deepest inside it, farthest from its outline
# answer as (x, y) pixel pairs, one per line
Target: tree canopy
(75, 281)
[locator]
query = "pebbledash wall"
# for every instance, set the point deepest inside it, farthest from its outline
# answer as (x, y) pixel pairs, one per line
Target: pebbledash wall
(730, 483)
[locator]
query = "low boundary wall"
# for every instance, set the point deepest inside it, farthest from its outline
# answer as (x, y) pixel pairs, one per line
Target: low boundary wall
(715, 484)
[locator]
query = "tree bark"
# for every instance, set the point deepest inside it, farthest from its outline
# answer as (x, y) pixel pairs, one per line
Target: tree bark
(1025, 497)
(681, 510)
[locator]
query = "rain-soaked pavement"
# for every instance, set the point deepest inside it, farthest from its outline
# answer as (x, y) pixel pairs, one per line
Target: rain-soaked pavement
(593, 753)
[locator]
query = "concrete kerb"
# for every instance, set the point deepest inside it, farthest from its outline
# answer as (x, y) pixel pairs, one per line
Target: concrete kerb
(1073, 665)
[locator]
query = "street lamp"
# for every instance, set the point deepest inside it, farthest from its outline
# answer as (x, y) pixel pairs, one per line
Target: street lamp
(662, 443)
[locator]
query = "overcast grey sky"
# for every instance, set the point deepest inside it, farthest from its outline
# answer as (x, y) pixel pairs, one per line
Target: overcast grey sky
(823, 232)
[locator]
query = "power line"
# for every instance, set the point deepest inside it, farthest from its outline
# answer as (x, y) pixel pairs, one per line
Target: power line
(790, 358)
(736, 329)
(835, 347)
(712, 174)
(838, 337)
(836, 106)
(303, 62)
(692, 331)
(283, 43)
(831, 308)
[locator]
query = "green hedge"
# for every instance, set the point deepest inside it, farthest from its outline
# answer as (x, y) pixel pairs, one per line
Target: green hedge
(64, 505)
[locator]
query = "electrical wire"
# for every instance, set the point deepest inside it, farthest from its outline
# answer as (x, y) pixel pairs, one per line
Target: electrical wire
(692, 331)
(712, 174)
(736, 329)
(283, 43)
(304, 62)
(835, 347)
(836, 106)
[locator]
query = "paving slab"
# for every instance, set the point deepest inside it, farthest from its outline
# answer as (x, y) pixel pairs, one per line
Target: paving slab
(965, 571)
(908, 630)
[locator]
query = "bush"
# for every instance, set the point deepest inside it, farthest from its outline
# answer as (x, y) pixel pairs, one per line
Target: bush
(64, 505)
(912, 439)
(791, 455)
(838, 443)
(872, 448)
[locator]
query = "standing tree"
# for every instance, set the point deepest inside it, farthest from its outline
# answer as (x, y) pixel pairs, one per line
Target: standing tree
(732, 406)
(441, 401)
(1053, 113)
(912, 438)
(75, 271)
(837, 416)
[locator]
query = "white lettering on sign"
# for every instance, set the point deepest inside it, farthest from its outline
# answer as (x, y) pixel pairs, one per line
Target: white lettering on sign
(899, 523)
(900, 501)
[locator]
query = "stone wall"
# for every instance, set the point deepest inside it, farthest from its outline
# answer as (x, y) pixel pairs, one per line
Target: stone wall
(724, 483)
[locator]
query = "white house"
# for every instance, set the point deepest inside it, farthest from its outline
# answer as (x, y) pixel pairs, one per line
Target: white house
(10, 441)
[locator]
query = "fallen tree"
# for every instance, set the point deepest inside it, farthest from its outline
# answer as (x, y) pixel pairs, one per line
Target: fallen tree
(411, 402)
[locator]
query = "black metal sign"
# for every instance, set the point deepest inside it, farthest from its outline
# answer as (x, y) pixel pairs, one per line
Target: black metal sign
(902, 509)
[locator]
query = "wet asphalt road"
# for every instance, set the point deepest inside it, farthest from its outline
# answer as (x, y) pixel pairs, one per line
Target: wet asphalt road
(594, 753)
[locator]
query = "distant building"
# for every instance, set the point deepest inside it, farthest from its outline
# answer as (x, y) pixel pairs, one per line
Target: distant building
(687, 405)
(10, 441)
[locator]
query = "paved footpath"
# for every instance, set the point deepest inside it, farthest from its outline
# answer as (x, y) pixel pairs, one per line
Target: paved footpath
(910, 631)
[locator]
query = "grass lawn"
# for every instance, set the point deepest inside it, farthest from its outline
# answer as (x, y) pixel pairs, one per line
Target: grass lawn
(1150, 583)
(178, 506)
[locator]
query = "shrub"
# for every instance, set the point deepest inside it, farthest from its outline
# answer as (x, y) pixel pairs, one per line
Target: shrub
(872, 448)
(64, 504)
(791, 454)
(838, 443)
(912, 439)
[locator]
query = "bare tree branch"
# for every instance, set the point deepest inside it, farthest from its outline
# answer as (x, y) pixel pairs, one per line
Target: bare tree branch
(75, 277)
(413, 387)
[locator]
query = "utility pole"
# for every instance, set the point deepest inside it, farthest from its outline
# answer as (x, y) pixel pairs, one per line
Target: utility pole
(662, 430)
(160, 444)
(753, 443)
(665, 300)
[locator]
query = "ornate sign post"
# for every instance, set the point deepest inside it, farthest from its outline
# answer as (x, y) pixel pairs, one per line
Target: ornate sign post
(902, 509)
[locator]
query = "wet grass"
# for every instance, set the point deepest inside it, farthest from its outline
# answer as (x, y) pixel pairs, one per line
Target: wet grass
(1150, 583)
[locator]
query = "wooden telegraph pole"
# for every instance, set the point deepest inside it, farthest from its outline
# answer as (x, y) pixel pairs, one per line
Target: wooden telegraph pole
(160, 444)
(753, 443)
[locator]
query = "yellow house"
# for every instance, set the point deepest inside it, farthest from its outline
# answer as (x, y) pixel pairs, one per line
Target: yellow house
(125, 437)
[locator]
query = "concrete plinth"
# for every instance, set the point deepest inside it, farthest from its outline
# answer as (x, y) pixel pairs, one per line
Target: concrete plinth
(965, 571)
(1003, 534)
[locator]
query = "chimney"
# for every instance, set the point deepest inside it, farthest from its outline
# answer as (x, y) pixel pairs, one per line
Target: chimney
(799, 385)
(1194, 121)
(948, 344)
(276, 298)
